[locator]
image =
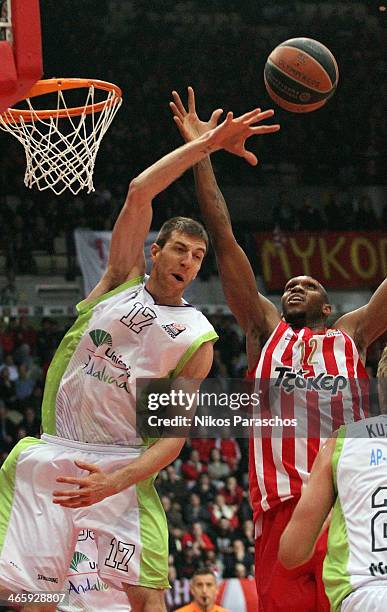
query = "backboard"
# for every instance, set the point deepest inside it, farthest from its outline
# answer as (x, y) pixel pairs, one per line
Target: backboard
(20, 49)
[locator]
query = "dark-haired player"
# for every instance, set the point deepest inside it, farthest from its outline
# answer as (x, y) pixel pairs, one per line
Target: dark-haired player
(304, 368)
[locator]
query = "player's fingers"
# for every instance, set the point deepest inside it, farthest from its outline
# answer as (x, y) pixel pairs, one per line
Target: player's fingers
(180, 127)
(265, 129)
(70, 503)
(179, 103)
(70, 480)
(250, 158)
(70, 493)
(229, 117)
(216, 116)
(191, 100)
(175, 110)
(250, 116)
(90, 467)
(256, 116)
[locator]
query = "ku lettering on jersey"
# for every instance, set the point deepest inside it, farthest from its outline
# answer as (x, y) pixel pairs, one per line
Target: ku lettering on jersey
(357, 541)
(317, 379)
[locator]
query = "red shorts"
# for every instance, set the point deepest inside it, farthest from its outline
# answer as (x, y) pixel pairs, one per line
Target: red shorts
(281, 590)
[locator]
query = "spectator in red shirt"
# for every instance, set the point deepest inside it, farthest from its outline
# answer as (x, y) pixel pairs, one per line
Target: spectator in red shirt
(229, 451)
(192, 468)
(232, 492)
(219, 510)
(204, 446)
(198, 536)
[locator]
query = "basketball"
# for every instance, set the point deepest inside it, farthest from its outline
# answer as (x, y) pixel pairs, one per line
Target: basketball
(300, 75)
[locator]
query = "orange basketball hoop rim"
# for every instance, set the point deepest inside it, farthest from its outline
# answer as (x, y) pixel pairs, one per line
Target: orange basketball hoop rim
(46, 86)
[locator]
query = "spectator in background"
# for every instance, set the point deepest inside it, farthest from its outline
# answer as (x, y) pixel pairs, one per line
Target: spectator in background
(229, 451)
(205, 489)
(24, 385)
(309, 217)
(232, 492)
(9, 295)
(365, 217)
(10, 365)
(198, 536)
(238, 555)
(247, 535)
(217, 469)
(192, 468)
(171, 484)
(7, 387)
(204, 446)
(220, 510)
(30, 423)
(224, 536)
(7, 429)
(195, 511)
(173, 513)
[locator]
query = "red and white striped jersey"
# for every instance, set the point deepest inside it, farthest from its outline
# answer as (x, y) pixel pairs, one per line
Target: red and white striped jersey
(315, 377)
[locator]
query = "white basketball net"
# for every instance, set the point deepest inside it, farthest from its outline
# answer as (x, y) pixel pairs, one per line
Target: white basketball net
(58, 160)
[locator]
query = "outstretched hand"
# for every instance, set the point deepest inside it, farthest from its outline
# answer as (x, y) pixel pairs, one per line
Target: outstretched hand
(231, 135)
(188, 122)
(91, 489)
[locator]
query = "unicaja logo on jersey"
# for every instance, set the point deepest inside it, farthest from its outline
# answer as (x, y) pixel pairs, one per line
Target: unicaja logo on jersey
(174, 329)
(289, 380)
(77, 559)
(100, 337)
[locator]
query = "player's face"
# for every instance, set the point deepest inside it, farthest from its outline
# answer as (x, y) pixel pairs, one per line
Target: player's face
(303, 295)
(179, 260)
(203, 589)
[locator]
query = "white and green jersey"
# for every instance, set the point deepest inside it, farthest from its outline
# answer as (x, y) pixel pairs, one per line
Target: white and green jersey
(90, 392)
(357, 541)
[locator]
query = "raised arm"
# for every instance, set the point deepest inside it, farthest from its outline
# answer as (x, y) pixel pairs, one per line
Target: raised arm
(367, 323)
(256, 315)
(126, 258)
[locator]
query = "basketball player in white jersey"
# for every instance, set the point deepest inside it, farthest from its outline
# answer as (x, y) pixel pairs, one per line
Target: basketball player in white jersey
(350, 475)
(128, 327)
(287, 348)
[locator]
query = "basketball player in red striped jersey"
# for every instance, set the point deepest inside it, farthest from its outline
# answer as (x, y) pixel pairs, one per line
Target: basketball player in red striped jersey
(315, 371)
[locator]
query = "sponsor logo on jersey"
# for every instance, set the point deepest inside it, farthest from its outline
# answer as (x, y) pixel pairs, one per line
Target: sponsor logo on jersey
(174, 329)
(77, 559)
(289, 380)
(91, 369)
(102, 338)
(47, 578)
(378, 569)
(333, 332)
(87, 585)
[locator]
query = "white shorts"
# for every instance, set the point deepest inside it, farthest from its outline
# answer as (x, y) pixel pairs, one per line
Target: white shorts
(38, 538)
(366, 599)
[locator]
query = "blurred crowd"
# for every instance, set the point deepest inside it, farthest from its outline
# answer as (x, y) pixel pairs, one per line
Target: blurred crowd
(219, 48)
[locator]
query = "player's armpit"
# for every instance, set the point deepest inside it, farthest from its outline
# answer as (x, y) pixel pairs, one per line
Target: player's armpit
(369, 322)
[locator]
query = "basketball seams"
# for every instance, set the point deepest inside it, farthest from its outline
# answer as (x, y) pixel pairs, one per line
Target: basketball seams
(296, 107)
(318, 51)
(321, 91)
